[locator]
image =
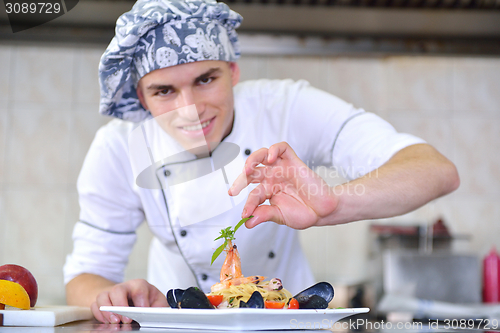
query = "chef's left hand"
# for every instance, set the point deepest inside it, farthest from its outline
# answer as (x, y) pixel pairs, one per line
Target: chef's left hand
(298, 197)
(138, 293)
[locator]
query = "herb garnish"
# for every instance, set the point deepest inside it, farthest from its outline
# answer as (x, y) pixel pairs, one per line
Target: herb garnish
(228, 235)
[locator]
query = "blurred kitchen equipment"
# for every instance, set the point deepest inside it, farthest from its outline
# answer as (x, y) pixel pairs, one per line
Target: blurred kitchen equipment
(416, 262)
(440, 310)
(442, 277)
(421, 237)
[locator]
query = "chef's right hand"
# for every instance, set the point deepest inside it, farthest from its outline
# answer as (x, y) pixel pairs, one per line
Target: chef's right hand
(298, 197)
(137, 293)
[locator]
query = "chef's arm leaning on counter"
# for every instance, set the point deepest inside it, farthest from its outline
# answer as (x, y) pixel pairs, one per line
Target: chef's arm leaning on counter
(300, 199)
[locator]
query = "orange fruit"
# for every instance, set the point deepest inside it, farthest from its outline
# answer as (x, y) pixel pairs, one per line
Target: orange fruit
(13, 294)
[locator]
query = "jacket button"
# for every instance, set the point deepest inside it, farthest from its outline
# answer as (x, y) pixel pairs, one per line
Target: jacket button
(167, 173)
(271, 255)
(204, 277)
(184, 233)
(248, 151)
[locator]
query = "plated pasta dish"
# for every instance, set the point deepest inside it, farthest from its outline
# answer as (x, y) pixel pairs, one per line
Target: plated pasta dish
(237, 291)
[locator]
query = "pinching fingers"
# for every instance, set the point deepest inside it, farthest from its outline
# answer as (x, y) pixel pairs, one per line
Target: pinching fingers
(265, 213)
(239, 184)
(256, 158)
(255, 198)
(251, 174)
(281, 149)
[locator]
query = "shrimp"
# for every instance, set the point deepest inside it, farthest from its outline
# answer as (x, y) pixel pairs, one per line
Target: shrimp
(230, 273)
(231, 269)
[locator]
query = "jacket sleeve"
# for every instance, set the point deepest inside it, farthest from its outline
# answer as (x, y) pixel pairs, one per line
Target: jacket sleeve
(110, 210)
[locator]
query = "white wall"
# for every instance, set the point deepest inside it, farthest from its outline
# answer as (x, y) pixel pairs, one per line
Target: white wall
(48, 116)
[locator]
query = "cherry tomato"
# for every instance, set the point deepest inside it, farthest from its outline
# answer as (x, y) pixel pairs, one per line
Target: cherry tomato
(274, 305)
(293, 304)
(215, 299)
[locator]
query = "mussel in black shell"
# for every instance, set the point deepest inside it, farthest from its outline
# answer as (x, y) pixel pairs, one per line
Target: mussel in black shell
(191, 298)
(256, 301)
(315, 297)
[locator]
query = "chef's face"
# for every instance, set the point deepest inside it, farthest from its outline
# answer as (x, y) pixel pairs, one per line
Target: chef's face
(193, 102)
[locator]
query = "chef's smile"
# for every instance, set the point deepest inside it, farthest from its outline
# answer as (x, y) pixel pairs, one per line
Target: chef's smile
(202, 128)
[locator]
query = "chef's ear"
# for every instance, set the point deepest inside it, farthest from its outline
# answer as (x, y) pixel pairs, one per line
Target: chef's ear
(235, 72)
(140, 95)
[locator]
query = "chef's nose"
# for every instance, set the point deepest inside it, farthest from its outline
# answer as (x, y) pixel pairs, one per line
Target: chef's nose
(189, 106)
(185, 98)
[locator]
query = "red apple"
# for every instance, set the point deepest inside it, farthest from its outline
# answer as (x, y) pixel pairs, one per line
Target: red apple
(21, 275)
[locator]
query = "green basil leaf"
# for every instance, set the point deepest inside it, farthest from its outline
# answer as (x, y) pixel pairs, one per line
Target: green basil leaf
(218, 251)
(228, 234)
(241, 222)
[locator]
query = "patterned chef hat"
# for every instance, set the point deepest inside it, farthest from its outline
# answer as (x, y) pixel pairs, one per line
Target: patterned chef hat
(156, 34)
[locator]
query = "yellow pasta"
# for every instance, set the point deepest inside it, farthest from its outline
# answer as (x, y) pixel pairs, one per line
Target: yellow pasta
(242, 292)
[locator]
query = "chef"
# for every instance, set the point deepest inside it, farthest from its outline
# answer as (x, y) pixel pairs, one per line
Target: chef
(185, 129)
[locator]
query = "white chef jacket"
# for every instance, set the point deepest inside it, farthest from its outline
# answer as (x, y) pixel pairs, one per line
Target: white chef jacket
(321, 128)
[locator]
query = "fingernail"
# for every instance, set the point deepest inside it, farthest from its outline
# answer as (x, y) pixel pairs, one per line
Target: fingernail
(126, 320)
(114, 319)
(244, 213)
(250, 221)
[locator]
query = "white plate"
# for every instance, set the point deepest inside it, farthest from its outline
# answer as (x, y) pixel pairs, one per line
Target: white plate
(235, 319)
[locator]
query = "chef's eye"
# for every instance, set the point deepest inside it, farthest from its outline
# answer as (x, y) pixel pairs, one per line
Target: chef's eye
(206, 80)
(164, 92)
